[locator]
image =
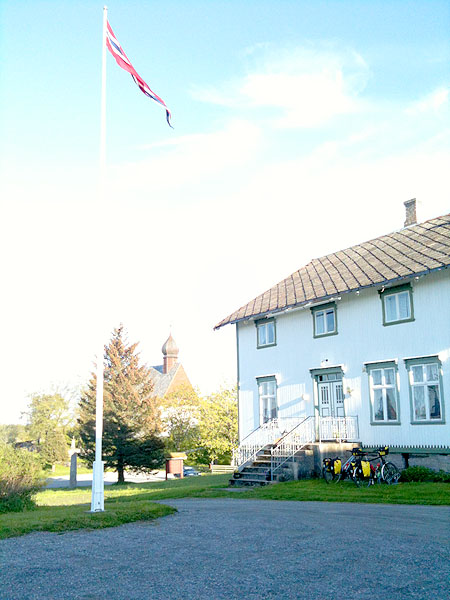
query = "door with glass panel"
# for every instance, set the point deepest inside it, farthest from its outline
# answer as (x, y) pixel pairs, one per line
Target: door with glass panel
(267, 400)
(331, 395)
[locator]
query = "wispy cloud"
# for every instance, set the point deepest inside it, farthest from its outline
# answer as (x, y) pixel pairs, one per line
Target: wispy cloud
(307, 87)
(432, 102)
(193, 159)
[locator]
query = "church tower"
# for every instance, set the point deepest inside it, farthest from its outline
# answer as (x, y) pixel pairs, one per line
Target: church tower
(170, 354)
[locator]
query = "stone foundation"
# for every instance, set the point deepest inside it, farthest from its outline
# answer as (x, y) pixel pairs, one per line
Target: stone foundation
(309, 462)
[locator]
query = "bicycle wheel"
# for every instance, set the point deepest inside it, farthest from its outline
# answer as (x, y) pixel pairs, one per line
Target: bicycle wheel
(362, 481)
(327, 475)
(389, 473)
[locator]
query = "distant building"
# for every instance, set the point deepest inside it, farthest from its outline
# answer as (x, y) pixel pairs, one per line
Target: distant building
(170, 375)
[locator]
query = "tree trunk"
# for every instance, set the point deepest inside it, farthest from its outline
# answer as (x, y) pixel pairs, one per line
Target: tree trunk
(120, 471)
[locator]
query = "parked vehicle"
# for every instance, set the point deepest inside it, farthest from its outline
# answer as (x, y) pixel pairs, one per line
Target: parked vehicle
(331, 469)
(385, 472)
(190, 472)
(359, 468)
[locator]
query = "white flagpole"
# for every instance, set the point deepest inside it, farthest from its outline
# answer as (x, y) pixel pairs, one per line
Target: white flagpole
(97, 501)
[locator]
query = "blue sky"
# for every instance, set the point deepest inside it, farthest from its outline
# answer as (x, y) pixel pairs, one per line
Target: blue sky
(299, 129)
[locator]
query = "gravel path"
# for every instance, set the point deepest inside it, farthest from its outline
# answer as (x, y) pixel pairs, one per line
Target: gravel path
(247, 549)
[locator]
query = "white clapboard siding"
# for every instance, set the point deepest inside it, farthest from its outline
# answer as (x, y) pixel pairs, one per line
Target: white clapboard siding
(361, 338)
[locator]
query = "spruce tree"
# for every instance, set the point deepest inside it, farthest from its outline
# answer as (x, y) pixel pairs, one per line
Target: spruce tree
(130, 412)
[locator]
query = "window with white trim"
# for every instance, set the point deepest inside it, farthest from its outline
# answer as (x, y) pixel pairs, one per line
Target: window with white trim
(426, 390)
(267, 391)
(324, 320)
(397, 305)
(383, 392)
(265, 332)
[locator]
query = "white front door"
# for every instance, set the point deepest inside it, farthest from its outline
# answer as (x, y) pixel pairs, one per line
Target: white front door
(331, 397)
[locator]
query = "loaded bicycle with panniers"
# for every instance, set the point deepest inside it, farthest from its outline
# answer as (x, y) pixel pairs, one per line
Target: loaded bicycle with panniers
(359, 468)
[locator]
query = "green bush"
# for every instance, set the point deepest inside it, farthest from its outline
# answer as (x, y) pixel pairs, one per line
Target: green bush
(442, 476)
(20, 478)
(424, 474)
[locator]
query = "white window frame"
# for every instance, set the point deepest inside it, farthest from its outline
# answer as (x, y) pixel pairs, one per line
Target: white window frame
(426, 383)
(268, 401)
(395, 294)
(324, 310)
(382, 367)
(265, 326)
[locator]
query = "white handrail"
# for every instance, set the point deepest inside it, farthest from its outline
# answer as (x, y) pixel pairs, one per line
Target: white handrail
(338, 429)
(266, 434)
(286, 448)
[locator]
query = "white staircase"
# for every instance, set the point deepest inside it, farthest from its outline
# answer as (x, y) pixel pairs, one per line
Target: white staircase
(262, 455)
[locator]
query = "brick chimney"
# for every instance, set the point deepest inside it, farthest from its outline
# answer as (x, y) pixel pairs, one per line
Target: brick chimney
(411, 218)
(170, 354)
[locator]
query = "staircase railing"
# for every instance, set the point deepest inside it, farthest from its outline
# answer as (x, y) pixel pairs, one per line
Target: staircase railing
(267, 433)
(338, 429)
(292, 442)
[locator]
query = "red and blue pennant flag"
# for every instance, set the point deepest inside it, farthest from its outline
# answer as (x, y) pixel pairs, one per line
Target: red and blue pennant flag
(122, 60)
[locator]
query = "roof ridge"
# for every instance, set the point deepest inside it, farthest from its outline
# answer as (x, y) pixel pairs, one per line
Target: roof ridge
(414, 250)
(410, 227)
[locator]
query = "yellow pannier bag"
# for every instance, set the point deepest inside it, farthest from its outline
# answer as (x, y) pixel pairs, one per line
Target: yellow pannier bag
(337, 466)
(365, 466)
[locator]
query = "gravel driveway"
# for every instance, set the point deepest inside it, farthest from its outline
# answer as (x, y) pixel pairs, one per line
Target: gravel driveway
(247, 549)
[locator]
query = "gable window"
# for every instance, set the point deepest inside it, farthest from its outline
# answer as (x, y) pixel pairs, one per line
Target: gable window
(265, 333)
(383, 393)
(425, 387)
(397, 305)
(267, 391)
(324, 320)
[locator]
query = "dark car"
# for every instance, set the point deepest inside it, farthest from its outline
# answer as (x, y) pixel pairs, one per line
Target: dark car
(190, 472)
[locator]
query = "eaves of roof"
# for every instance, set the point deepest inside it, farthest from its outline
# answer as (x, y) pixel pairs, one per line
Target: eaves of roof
(410, 252)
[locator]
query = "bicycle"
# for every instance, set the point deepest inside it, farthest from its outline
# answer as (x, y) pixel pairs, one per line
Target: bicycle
(334, 470)
(362, 471)
(386, 472)
(365, 473)
(331, 469)
(347, 469)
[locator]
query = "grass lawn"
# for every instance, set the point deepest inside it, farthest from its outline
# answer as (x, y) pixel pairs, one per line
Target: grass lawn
(61, 470)
(319, 490)
(64, 509)
(70, 517)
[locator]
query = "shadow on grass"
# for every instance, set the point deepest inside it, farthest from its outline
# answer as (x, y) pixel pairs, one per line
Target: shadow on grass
(215, 486)
(64, 510)
(68, 518)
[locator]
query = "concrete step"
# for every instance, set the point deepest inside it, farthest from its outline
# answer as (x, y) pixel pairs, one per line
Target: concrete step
(256, 468)
(244, 475)
(248, 482)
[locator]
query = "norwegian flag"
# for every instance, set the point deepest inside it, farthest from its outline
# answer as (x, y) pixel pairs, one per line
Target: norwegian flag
(122, 60)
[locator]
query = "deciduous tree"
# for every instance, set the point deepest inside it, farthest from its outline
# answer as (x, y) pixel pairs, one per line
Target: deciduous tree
(180, 412)
(48, 419)
(12, 433)
(219, 424)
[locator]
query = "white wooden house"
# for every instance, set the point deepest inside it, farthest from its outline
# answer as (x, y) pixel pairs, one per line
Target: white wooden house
(354, 346)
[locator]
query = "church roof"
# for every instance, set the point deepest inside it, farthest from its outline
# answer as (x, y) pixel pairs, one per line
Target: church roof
(163, 383)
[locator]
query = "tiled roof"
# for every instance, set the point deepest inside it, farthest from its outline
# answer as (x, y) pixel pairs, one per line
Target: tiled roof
(162, 381)
(415, 250)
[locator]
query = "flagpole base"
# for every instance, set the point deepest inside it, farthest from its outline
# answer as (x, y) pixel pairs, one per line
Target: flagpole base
(98, 496)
